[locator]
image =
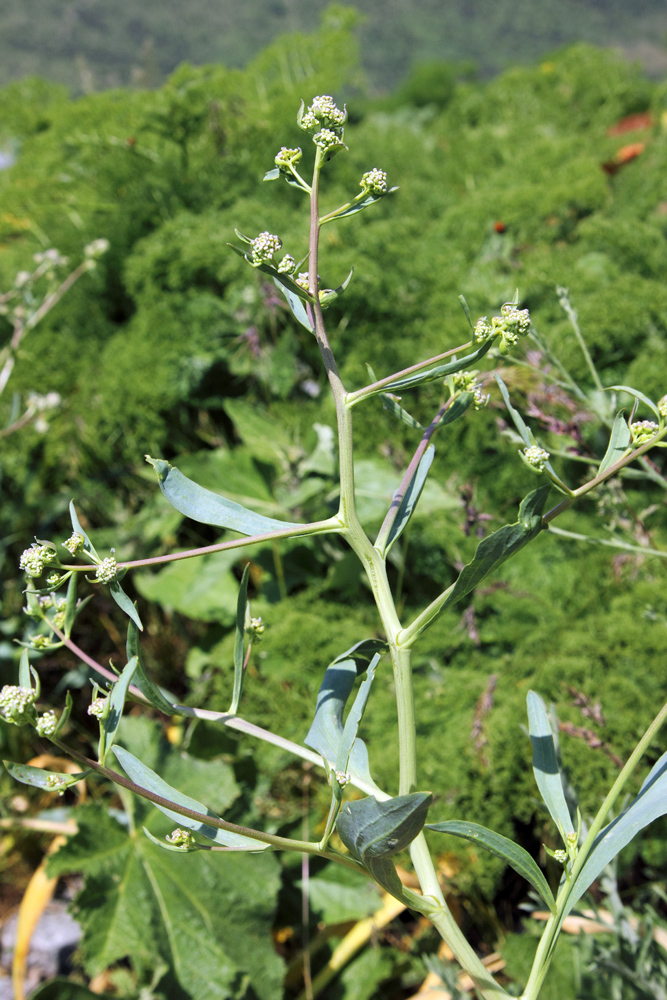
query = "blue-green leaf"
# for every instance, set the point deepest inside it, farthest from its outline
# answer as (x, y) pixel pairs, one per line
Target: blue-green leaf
(145, 778)
(39, 778)
(523, 429)
(405, 504)
(326, 733)
(360, 205)
(70, 605)
(620, 440)
(210, 508)
(114, 713)
(272, 175)
(440, 371)
(174, 848)
(25, 680)
(504, 848)
(355, 716)
(545, 764)
(239, 641)
(640, 396)
(297, 307)
(124, 603)
(648, 806)
(76, 527)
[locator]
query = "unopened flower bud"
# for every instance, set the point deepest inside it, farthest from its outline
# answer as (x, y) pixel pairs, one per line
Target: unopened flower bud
(662, 406)
(374, 181)
(287, 157)
(16, 704)
(256, 629)
(46, 725)
(107, 570)
(75, 543)
(287, 265)
(180, 838)
(642, 431)
(326, 111)
(535, 457)
(264, 247)
(98, 707)
(325, 139)
(560, 856)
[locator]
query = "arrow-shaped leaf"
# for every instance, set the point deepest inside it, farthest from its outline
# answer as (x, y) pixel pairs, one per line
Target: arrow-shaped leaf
(648, 806)
(545, 764)
(502, 847)
(207, 507)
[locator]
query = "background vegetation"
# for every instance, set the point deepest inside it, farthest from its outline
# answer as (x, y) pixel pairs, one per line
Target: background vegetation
(172, 347)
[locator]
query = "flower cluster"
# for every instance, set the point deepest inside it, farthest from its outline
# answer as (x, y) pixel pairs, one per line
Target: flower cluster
(181, 838)
(96, 249)
(509, 326)
(256, 629)
(374, 181)
(46, 725)
(302, 280)
(467, 382)
(98, 707)
(41, 641)
(54, 781)
(287, 158)
(107, 570)
(75, 543)
(17, 705)
(326, 138)
(264, 247)
(52, 257)
(662, 406)
(34, 559)
(535, 457)
(643, 430)
(323, 111)
(287, 265)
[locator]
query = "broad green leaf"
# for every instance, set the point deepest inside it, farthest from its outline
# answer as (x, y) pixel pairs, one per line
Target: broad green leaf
(38, 777)
(210, 508)
(640, 396)
(206, 916)
(296, 304)
(117, 698)
(76, 526)
(143, 776)
(523, 429)
(272, 175)
(406, 504)
(502, 847)
(325, 735)
(619, 442)
(440, 371)
(499, 546)
(372, 829)
(204, 589)
(124, 603)
(337, 895)
(545, 764)
(648, 806)
(239, 641)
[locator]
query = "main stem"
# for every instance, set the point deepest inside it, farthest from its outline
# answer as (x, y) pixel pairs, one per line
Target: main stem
(376, 570)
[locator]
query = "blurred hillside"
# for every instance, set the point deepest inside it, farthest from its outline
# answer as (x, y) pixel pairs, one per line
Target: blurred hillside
(93, 44)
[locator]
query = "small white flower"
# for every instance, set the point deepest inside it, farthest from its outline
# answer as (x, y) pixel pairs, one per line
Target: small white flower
(342, 778)
(483, 330)
(287, 157)
(34, 559)
(96, 249)
(662, 406)
(326, 111)
(303, 280)
(54, 781)
(560, 856)
(107, 570)
(287, 265)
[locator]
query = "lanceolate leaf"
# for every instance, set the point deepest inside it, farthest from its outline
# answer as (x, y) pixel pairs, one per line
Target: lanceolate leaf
(239, 641)
(504, 848)
(406, 504)
(648, 806)
(143, 776)
(70, 606)
(116, 704)
(372, 829)
(326, 733)
(619, 442)
(519, 423)
(38, 777)
(545, 764)
(295, 302)
(441, 371)
(354, 717)
(25, 680)
(211, 508)
(124, 603)
(640, 396)
(499, 546)
(76, 527)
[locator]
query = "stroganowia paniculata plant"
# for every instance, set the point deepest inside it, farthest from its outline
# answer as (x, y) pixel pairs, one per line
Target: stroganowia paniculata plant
(374, 828)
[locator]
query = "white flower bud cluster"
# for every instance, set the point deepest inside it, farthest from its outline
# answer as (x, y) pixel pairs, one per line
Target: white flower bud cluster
(256, 629)
(107, 570)
(536, 457)
(287, 158)
(34, 559)
(22, 279)
(342, 778)
(52, 257)
(98, 707)
(75, 543)
(303, 280)
(54, 579)
(509, 326)
(374, 181)
(16, 704)
(480, 398)
(46, 725)
(180, 838)
(560, 856)
(54, 781)
(96, 249)
(326, 138)
(643, 430)
(326, 112)
(41, 641)
(264, 246)
(662, 406)
(287, 265)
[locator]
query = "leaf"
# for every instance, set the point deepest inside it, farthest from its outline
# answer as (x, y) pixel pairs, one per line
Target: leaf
(619, 442)
(62, 989)
(210, 508)
(504, 848)
(355, 716)
(25, 679)
(545, 764)
(38, 777)
(640, 396)
(521, 426)
(373, 831)
(295, 302)
(407, 503)
(115, 710)
(650, 804)
(124, 603)
(271, 175)
(441, 371)
(76, 527)
(496, 548)
(70, 605)
(239, 641)
(143, 776)
(206, 917)
(361, 205)
(326, 732)
(337, 895)
(389, 403)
